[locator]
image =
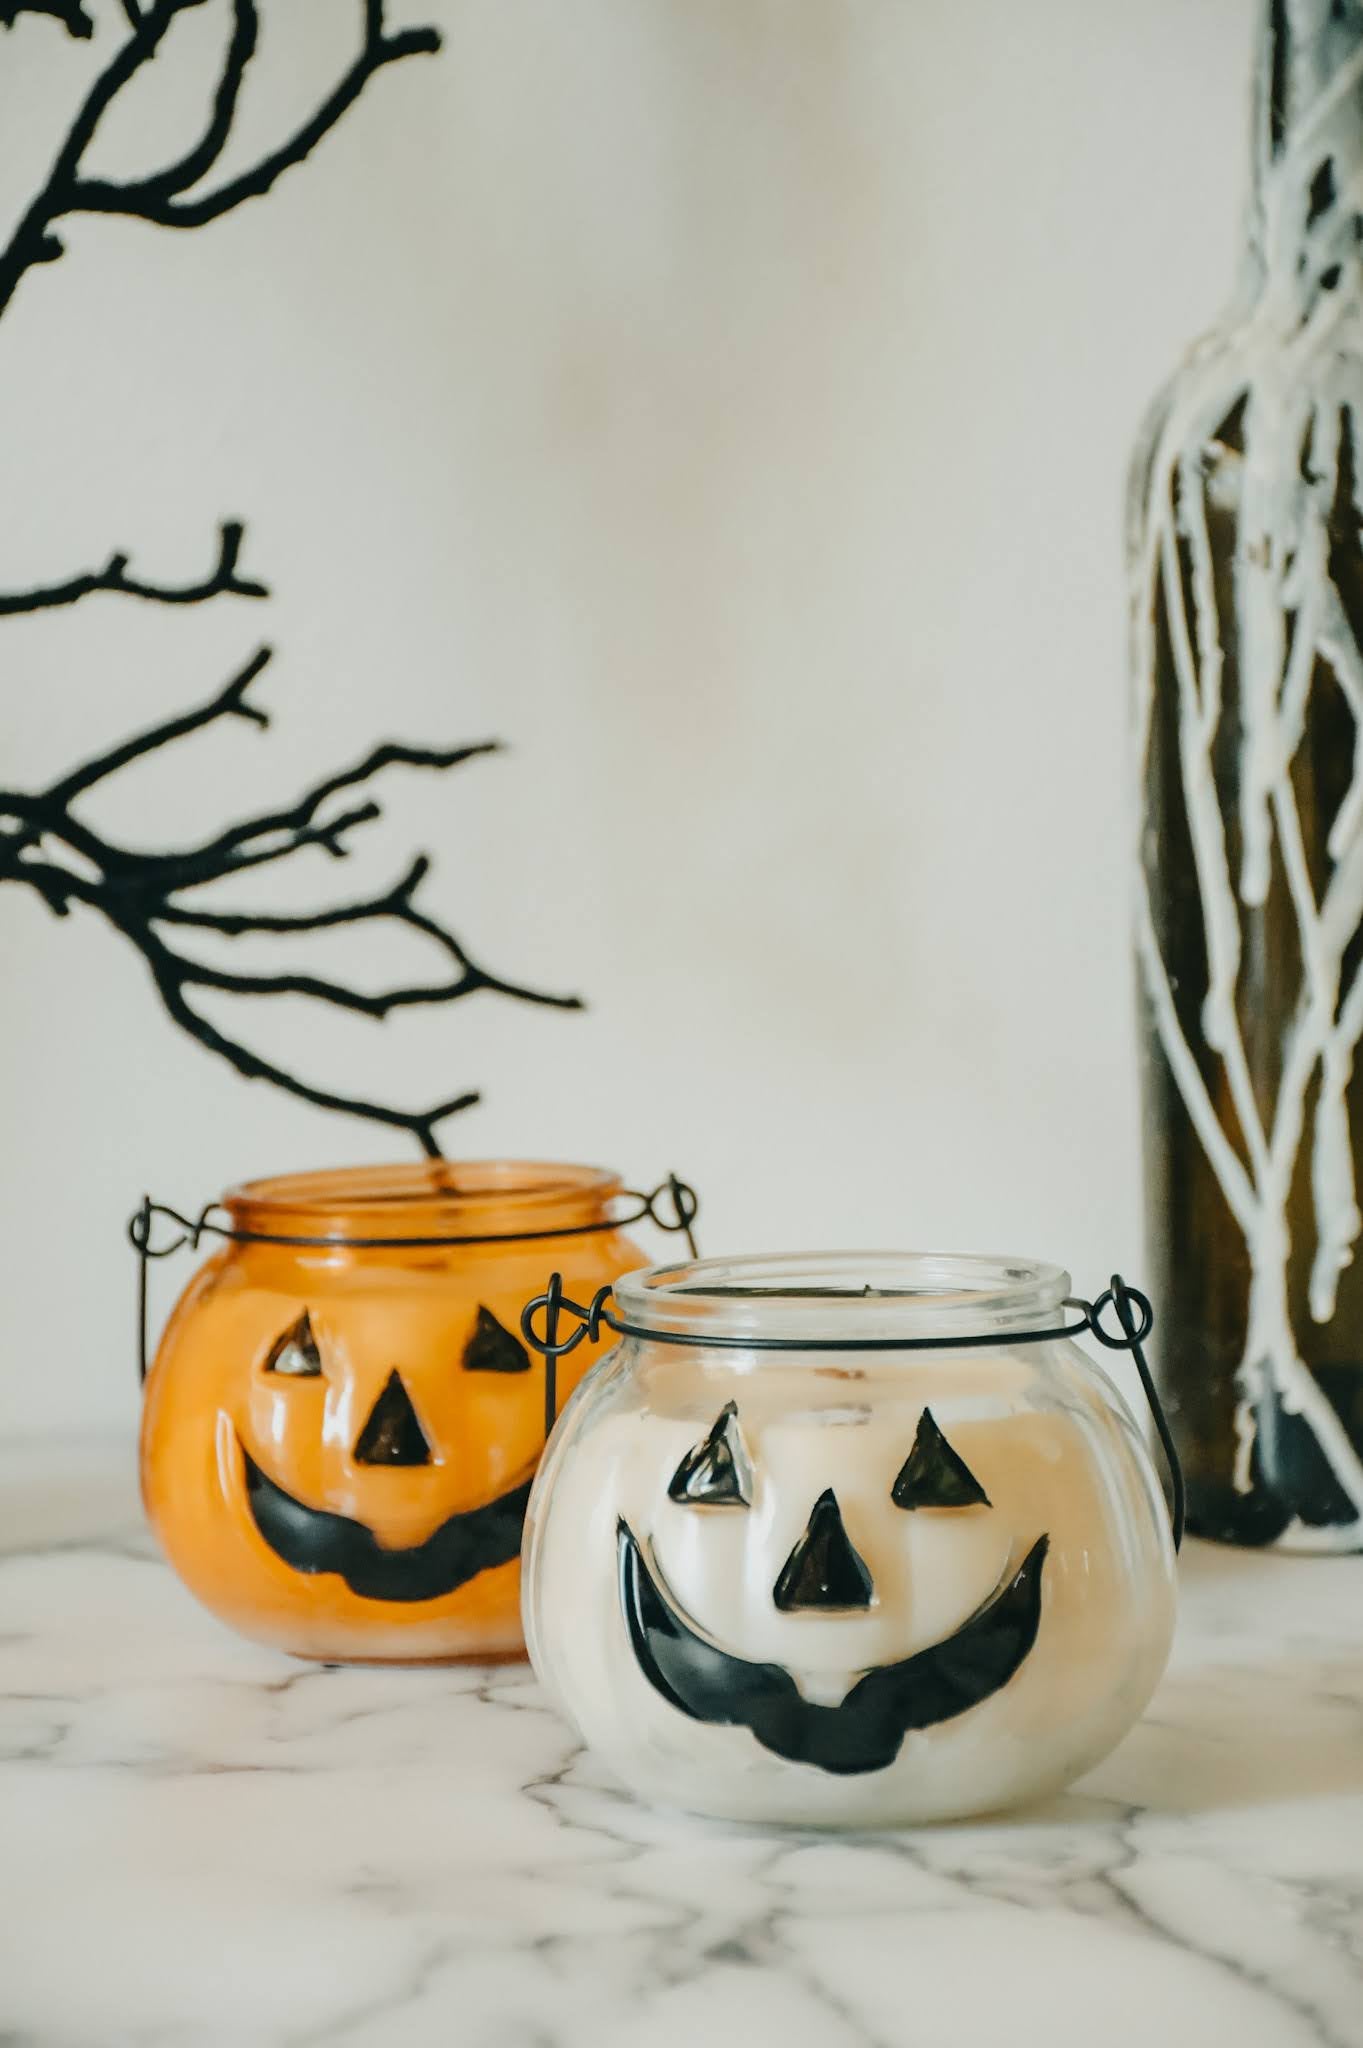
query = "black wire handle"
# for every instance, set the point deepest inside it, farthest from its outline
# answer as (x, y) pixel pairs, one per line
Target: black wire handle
(1134, 1328)
(672, 1206)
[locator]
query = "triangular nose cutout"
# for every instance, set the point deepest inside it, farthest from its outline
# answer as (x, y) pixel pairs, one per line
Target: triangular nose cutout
(823, 1572)
(392, 1435)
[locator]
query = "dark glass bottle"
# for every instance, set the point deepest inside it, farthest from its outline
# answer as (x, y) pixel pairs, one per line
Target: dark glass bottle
(1246, 561)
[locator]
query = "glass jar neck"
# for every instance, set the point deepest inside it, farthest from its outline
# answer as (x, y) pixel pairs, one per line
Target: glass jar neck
(434, 1200)
(817, 1297)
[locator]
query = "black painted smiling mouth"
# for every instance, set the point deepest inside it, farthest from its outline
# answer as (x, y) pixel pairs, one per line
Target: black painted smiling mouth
(312, 1540)
(866, 1731)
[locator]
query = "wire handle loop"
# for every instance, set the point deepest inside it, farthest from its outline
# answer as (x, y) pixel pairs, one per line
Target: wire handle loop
(1132, 1309)
(685, 1208)
(1122, 1300)
(554, 1302)
(188, 1231)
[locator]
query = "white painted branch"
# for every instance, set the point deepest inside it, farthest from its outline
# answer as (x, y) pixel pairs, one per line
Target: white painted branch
(1197, 729)
(1235, 1182)
(1334, 1190)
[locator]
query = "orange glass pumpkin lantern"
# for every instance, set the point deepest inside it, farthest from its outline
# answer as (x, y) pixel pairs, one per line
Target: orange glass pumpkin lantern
(341, 1423)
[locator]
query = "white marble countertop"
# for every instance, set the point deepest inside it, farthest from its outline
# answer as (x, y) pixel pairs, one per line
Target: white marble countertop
(204, 1842)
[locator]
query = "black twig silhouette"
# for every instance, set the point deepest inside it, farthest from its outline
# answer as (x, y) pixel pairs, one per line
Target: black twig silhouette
(149, 896)
(69, 13)
(166, 197)
(222, 579)
(145, 894)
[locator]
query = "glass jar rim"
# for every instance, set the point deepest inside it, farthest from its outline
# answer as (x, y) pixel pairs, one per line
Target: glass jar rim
(856, 1295)
(430, 1197)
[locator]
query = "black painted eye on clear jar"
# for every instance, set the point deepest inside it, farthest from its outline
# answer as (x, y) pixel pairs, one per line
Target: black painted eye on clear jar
(848, 1539)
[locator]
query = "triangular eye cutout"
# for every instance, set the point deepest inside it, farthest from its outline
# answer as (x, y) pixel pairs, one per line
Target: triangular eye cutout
(493, 1349)
(823, 1572)
(393, 1435)
(935, 1476)
(295, 1354)
(717, 1473)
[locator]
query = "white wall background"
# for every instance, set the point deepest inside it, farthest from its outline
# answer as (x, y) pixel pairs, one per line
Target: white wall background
(726, 402)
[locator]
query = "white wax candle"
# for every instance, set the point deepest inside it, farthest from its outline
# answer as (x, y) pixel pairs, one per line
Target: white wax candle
(1054, 1452)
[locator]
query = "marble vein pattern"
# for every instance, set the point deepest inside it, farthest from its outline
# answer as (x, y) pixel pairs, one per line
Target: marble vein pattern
(202, 1842)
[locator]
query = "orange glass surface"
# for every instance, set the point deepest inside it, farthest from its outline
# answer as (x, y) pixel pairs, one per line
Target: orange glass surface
(248, 1448)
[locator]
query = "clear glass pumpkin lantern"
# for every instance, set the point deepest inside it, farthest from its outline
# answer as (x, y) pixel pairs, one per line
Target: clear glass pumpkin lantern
(341, 1422)
(849, 1539)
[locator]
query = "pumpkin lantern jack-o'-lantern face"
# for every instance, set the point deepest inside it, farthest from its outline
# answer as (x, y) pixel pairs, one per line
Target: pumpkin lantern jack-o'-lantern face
(392, 1441)
(339, 1438)
(825, 1575)
(888, 1586)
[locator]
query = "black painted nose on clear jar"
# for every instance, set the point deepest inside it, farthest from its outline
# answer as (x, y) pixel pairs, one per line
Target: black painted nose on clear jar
(839, 1584)
(823, 1574)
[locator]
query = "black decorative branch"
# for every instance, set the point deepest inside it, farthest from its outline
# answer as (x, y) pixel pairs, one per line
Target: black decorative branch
(153, 898)
(166, 197)
(223, 580)
(69, 13)
(141, 893)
